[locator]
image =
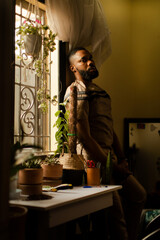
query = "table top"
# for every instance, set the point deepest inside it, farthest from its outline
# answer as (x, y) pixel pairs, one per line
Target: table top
(66, 197)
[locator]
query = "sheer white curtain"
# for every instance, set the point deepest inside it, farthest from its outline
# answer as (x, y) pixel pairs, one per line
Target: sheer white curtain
(81, 23)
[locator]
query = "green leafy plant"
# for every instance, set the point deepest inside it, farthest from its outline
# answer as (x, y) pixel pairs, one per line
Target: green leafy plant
(31, 28)
(40, 63)
(32, 162)
(108, 168)
(61, 134)
(51, 159)
(22, 157)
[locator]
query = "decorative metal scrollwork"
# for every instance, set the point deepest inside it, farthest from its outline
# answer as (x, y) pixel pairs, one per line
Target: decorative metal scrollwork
(25, 61)
(26, 106)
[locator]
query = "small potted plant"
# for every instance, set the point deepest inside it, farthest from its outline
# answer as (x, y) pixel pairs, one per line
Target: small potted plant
(20, 154)
(30, 40)
(30, 176)
(52, 169)
(32, 37)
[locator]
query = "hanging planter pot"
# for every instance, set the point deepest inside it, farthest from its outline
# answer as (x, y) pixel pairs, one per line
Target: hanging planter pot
(32, 45)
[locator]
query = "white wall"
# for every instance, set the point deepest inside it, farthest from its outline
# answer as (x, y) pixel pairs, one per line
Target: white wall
(131, 75)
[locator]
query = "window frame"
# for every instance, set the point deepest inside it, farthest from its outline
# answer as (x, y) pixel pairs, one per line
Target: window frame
(61, 85)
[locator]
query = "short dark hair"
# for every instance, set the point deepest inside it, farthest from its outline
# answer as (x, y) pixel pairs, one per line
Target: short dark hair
(73, 51)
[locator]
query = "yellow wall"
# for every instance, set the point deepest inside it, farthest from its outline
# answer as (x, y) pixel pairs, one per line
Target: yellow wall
(131, 75)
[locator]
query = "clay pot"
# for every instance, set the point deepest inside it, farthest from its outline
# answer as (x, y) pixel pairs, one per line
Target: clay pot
(30, 181)
(31, 189)
(30, 176)
(93, 176)
(52, 171)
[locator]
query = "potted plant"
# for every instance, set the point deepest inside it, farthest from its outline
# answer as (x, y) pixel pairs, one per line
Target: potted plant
(52, 169)
(20, 154)
(30, 176)
(73, 164)
(65, 135)
(34, 36)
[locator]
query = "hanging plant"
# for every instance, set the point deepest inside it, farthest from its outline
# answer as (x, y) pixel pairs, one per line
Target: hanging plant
(36, 41)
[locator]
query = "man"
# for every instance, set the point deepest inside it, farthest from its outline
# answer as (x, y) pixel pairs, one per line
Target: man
(96, 137)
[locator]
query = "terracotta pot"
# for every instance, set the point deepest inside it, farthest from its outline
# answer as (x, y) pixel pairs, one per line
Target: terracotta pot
(52, 171)
(30, 176)
(93, 176)
(30, 181)
(31, 189)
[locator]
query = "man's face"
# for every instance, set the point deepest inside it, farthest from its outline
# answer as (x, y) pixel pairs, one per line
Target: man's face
(83, 63)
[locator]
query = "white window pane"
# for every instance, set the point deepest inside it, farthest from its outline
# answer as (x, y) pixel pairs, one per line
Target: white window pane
(17, 21)
(27, 77)
(17, 9)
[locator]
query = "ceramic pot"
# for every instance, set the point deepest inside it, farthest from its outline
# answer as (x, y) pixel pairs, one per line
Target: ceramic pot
(32, 44)
(93, 176)
(30, 181)
(52, 171)
(31, 189)
(30, 176)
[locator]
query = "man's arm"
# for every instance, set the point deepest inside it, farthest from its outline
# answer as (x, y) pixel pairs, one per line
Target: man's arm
(89, 143)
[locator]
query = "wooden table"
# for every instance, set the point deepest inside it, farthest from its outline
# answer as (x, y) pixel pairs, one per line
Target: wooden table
(64, 206)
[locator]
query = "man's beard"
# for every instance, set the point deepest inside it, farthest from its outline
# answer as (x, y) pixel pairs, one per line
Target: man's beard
(88, 75)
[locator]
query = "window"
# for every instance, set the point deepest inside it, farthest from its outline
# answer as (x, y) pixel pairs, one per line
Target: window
(37, 127)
